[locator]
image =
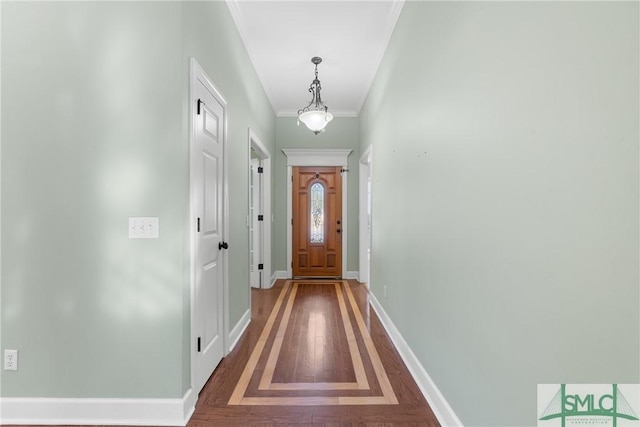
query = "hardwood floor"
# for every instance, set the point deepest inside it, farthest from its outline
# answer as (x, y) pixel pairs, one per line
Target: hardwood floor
(313, 355)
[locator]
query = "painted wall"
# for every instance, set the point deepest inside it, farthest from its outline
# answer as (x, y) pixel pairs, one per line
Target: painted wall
(341, 133)
(94, 104)
(505, 197)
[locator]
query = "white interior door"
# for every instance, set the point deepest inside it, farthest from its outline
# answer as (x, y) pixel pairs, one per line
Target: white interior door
(208, 210)
(255, 229)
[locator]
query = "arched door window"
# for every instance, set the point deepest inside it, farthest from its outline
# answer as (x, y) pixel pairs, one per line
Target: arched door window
(317, 213)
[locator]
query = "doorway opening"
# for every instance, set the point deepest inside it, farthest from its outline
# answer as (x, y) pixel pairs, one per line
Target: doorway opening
(260, 217)
(317, 157)
(317, 221)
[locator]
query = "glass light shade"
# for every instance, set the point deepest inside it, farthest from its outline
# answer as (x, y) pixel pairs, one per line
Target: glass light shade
(315, 120)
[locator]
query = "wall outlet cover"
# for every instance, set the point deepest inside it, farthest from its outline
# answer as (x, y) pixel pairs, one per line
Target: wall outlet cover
(11, 360)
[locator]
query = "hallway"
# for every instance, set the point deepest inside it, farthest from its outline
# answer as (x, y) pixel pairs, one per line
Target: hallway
(314, 354)
(497, 223)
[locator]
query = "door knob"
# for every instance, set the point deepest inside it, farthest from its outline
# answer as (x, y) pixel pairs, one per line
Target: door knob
(223, 245)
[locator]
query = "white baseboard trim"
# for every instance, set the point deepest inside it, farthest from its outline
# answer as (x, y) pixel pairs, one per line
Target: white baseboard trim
(436, 400)
(352, 275)
(70, 411)
(237, 330)
(278, 274)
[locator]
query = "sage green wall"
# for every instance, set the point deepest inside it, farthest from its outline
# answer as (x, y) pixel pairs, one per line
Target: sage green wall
(91, 135)
(94, 130)
(342, 132)
(505, 197)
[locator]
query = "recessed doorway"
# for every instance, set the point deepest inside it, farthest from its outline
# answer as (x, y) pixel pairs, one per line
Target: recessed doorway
(317, 157)
(259, 217)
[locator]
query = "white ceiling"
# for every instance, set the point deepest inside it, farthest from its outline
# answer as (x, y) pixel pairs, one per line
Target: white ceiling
(282, 37)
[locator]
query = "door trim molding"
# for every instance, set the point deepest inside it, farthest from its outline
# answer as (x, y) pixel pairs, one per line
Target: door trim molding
(316, 157)
(364, 172)
(198, 73)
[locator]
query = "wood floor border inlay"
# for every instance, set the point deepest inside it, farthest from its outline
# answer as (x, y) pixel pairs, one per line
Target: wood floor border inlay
(267, 376)
(266, 384)
(243, 382)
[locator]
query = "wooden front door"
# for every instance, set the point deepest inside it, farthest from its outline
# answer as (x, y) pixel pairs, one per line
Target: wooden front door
(317, 221)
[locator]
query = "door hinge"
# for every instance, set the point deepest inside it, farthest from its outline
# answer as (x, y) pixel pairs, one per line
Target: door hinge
(291, 263)
(198, 225)
(199, 102)
(260, 266)
(260, 169)
(260, 217)
(199, 345)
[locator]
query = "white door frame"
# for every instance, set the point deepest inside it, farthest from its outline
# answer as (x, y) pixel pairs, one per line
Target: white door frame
(198, 73)
(265, 187)
(364, 174)
(316, 157)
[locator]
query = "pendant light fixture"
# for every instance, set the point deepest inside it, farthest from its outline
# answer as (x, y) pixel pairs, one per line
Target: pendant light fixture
(315, 115)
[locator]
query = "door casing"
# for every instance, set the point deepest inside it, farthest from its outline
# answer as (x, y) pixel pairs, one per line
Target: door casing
(317, 157)
(364, 234)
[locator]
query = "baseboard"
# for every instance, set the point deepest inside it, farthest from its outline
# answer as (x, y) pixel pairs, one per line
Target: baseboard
(278, 274)
(53, 411)
(237, 330)
(352, 275)
(436, 400)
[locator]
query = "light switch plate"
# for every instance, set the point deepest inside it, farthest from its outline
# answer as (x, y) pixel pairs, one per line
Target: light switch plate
(144, 227)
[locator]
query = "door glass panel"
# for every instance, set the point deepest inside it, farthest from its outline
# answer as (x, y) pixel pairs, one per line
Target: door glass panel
(317, 213)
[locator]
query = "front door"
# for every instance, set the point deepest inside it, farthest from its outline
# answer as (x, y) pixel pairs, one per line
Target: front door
(317, 221)
(207, 192)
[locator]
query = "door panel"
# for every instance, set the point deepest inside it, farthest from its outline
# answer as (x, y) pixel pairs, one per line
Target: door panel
(207, 192)
(210, 195)
(317, 219)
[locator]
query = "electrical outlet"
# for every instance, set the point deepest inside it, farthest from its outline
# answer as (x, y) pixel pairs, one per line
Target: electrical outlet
(11, 360)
